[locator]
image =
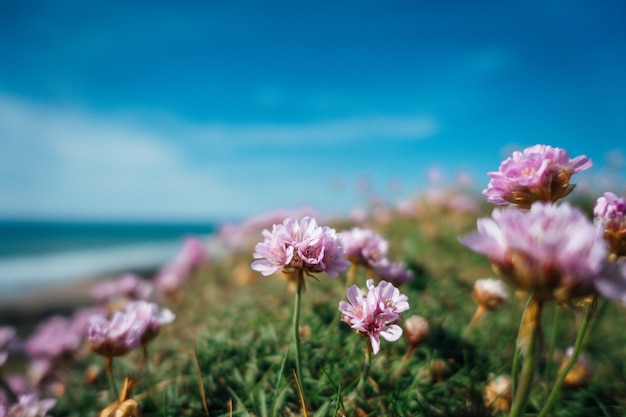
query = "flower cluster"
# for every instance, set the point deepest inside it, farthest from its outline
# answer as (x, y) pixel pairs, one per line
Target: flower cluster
(376, 313)
(551, 251)
(300, 245)
(610, 214)
(127, 286)
(539, 173)
(27, 406)
(128, 329)
(366, 248)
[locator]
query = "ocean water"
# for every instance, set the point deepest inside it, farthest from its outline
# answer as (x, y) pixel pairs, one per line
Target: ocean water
(35, 255)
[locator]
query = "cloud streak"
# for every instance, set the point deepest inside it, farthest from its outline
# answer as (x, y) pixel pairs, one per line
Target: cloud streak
(57, 162)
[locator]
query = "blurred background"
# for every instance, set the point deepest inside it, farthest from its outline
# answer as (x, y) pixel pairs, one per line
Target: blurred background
(126, 125)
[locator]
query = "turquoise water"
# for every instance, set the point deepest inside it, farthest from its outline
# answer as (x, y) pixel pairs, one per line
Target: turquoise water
(38, 254)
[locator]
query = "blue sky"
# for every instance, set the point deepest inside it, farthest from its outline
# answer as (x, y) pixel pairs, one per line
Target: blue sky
(207, 110)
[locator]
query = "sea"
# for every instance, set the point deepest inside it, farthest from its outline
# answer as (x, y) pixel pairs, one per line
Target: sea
(38, 255)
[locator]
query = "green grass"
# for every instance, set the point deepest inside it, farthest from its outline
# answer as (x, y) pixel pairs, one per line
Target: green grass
(239, 323)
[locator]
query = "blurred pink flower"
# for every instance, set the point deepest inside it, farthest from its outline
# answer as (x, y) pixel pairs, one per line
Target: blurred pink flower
(53, 338)
(29, 405)
(610, 214)
(8, 342)
(552, 251)
(394, 272)
(126, 286)
(364, 247)
(170, 279)
(539, 173)
(154, 318)
(300, 245)
(375, 314)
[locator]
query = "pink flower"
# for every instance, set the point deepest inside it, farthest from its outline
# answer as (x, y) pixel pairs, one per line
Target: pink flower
(364, 247)
(28, 406)
(126, 286)
(375, 314)
(152, 316)
(302, 245)
(128, 329)
(394, 272)
(540, 173)
(610, 215)
(53, 338)
(551, 251)
(173, 276)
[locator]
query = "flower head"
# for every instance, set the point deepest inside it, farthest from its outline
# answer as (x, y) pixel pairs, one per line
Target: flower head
(126, 286)
(394, 272)
(610, 214)
(300, 245)
(489, 293)
(551, 251)
(539, 173)
(152, 316)
(28, 406)
(376, 313)
(364, 247)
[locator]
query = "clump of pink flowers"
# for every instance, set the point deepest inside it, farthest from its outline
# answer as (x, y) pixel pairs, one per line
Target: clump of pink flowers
(375, 314)
(128, 329)
(551, 251)
(539, 173)
(610, 214)
(303, 246)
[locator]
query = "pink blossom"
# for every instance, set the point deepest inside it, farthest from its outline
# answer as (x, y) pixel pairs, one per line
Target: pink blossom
(170, 279)
(300, 245)
(375, 314)
(29, 405)
(394, 272)
(126, 286)
(364, 247)
(152, 316)
(539, 173)
(552, 251)
(610, 215)
(53, 338)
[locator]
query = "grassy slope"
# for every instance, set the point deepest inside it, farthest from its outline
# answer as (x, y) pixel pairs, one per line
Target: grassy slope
(239, 323)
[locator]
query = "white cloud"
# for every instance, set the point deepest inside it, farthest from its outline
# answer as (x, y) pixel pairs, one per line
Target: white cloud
(60, 162)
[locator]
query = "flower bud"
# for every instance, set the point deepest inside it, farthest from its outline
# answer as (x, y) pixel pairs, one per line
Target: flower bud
(578, 374)
(416, 331)
(497, 394)
(489, 293)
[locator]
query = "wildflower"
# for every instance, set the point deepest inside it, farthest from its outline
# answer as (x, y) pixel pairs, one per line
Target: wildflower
(551, 251)
(610, 214)
(394, 272)
(53, 338)
(579, 373)
(127, 286)
(416, 331)
(489, 293)
(8, 342)
(172, 276)
(117, 336)
(152, 316)
(300, 246)
(539, 173)
(497, 394)
(376, 313)
(28, 405)
(364, 247)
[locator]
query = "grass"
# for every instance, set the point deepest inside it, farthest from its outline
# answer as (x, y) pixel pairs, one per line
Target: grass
(230, 351)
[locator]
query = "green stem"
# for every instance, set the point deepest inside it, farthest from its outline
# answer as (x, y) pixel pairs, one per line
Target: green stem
(553, 334)
(591, 307)
(109, 370)
(296, 324)
(528, 339)
(367, 364)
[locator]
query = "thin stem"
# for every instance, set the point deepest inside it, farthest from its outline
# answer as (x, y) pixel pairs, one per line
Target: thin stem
(553, 334)
(109, 369)
(296, 324)
(367, 364)
(528, 340)
(591, 307)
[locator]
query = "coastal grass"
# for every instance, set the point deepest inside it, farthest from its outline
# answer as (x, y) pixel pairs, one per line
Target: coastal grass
(230, 351)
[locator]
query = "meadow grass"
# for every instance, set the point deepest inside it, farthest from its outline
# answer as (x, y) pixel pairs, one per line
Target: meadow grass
(230, 350)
